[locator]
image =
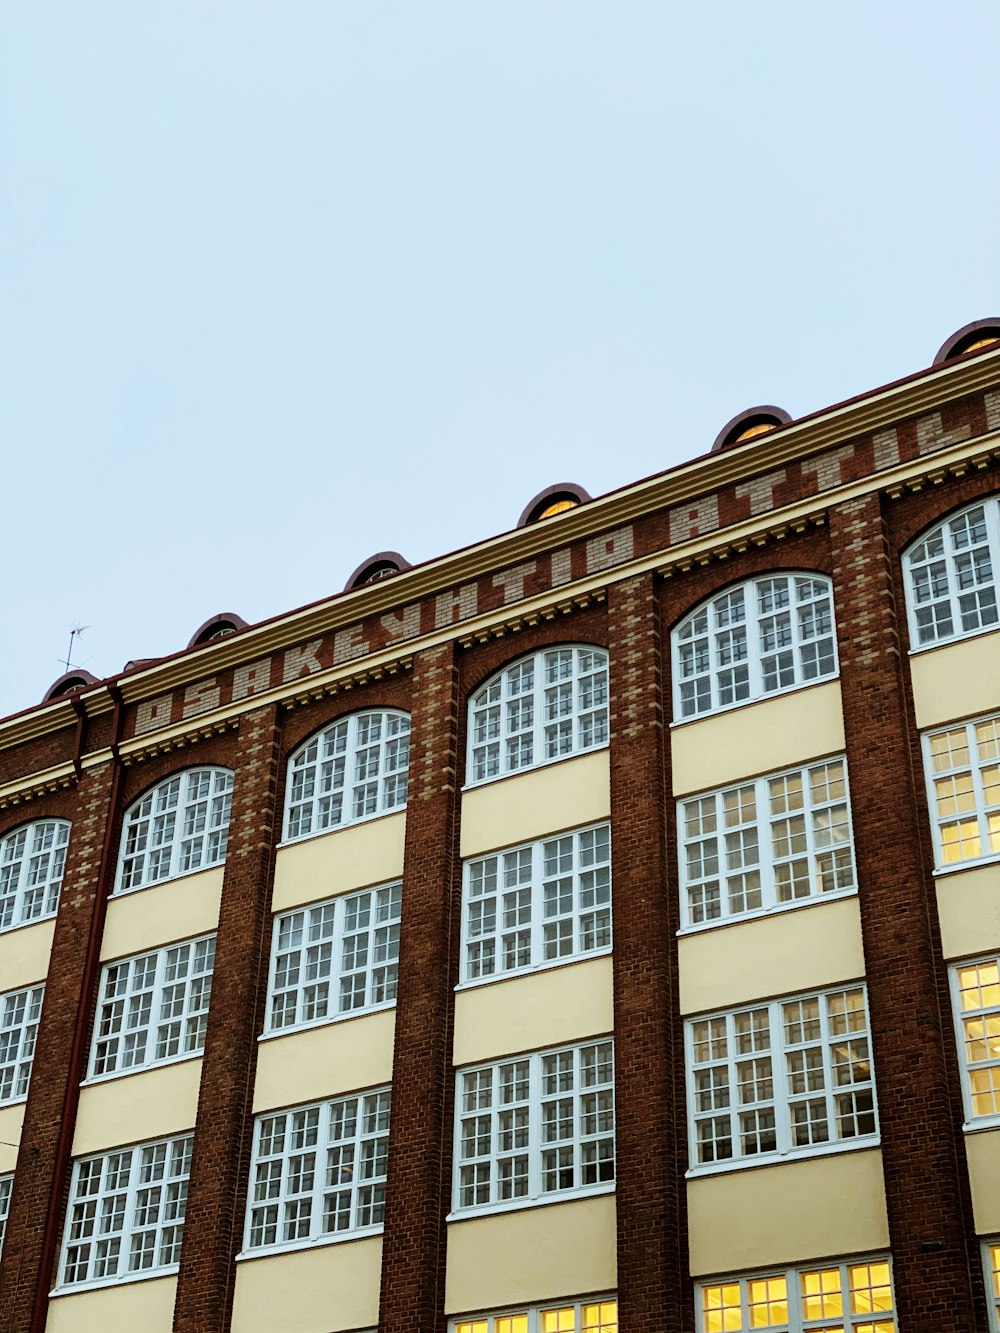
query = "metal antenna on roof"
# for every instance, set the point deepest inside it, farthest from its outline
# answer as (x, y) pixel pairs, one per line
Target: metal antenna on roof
(74, 633)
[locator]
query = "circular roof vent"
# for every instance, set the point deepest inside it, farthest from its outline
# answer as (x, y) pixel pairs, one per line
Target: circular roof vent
(974, 337)
(219, 626)
(748, 425)
(77, 679)
(553, 500)
(377, 567)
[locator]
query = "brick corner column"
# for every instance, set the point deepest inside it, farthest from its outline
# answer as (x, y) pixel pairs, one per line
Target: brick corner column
(213, 1228)
(419, 1184)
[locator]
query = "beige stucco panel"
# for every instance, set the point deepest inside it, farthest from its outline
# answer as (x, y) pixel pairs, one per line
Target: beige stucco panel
(532, 1254)
(546, 1008)
(785, 1214)
(137, 1107)
(803, 949)
(319, 1290)
(332, 863)
(958, 680)
(969, 910)
(983, 1152)
(142, 1307)
(758, 738)
(163, 913)
(323, 1061)
(11, 1120)
(24, 955)
(531, 805)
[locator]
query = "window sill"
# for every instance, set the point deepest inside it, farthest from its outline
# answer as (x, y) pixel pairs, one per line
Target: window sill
(535, 969)
(973, 863)
(517, 1205)
(922, 648)
(339, 828)
(779, 1159)
(748, 703)
(329, 1021)
(26, 925)
(533, 768)
(314, 1243)
(764, 914)
(101, 1283)
(981, 1124)
(93, 1080)
(167, 879)
(13, 1101)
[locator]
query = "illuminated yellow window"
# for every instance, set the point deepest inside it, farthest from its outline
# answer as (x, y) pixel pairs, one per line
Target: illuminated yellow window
(515, 1323)
(837, 1298)
(991, 1259)
(761, 428)
(822, 1296)
(768, 1302)
(596, 1315)
(977, 1000)
(559, 1321)
(476, 1326)
(722, 1309)
(558, 507)
(979, 344)
(600, 1318)
(965, 790)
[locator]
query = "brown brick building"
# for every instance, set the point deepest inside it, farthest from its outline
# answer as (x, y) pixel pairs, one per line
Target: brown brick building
(597, 928)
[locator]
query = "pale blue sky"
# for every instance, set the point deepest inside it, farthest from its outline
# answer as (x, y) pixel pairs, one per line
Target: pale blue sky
(283, 284)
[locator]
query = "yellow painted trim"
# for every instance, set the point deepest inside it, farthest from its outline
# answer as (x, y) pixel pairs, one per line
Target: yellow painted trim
(339, 861)
(24, 954)
(326, 1061)
(957, 680)
(321, 1289)
(145, 1306)
(982, 1151)
(11, 1121)
(524, 807)
(969, 910)
(137, 1108)
(177, 909)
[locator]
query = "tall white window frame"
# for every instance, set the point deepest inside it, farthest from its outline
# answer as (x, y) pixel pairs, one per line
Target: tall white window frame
(177, 827)
(780, 1079)
(778, 841)
(991, 1273)
(536, 905)
(20, 1011)
(6, 1187)
(846, 1296)
(152, 1008)
(593, 1314)
(318, 1173)
(125, 1217)
(543, 707)
(32, 862)
(962, 765)
(975, 991)
(535, 1128)
(357, 768)
(951, 576)
(334, 959)
(754, 639)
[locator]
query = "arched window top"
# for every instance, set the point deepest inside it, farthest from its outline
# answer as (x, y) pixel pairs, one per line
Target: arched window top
(32, 860)
(377, 567)
(974, 337)
(355, 769)
(77, 679)
(178, 826)
(760, 637)
(553, 500)
(951, 576)
(748, 424)
(219, 626)
(549, 705)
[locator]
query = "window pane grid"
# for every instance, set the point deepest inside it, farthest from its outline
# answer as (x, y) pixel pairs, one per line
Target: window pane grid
(781, 1078)
(597, 1314)
(6, 1184)
(539, 709)
(963, 777)
(854, 1297)
(180, 826)
(19, 1014)
(765, 635)
(334, 958)
(951, 576)
(976, 991)
(541, 903)
(353, 770)
(153, 1007)
(991, 1265)
(777, 840)
(32, 862)
(126, 1212)
(536, 1126)
(319, 1171)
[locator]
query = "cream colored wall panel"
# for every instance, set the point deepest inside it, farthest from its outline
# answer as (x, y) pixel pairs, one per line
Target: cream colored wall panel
(803, 949)
(530, 805)
(969, 911)
(532, 1254)
(957, 680)
(336, 862)
(319, 1290)
(809, 1209)
(11, 1120)
(548, 1008)
(24, 955)
(323, 1061)
(983, 1153)
(137, 1107)
(757, 738)
(130, 1307)
(163, 913)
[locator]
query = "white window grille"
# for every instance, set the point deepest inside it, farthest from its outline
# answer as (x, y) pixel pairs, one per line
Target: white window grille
(596, 1314)
(535, 1127)
(355, 769)
(545, 902)
(991, 1270)
(758, 638)
(976, 998)
(19, 1014)
(126, 1212)
(951, 576)
(963, 778)
(32, 861)
(180, 825)
(791, 1077)
(544, 707)
(766, 844)
(851, 1297)
(6, 1184)
(333, 958)
(153, 1007)
(318, 1172)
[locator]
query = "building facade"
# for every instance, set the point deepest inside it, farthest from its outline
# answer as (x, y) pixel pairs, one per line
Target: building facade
(595, 929)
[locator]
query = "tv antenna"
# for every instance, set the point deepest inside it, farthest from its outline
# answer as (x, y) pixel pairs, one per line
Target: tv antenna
(74, 634)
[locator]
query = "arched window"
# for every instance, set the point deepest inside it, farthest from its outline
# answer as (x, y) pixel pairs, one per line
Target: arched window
(180, 825)
(951, 576)
(354, 770)
(757, 638)
(32, 860)
(543, 707)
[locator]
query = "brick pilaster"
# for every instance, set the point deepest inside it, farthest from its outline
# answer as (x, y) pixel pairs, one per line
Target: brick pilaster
(926, 1191)
(216, 1207)
(652, 1231)
(419, 1186)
